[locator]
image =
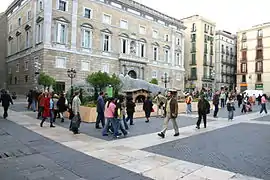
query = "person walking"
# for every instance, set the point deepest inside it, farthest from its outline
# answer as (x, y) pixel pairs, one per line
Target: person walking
(123, 111)
(48, 110)
(216, 104)
(230, 108)
(29, 99)
(188, 103)
(222, 99)
(41, 99)
(171, 113)
(62, 105)
(239, 100)
(259, 99)
(263, 104)
(147, 107)
(203, 110)
(6, 101)
(100, 111)
(159, 99)
(117, 118)
(130, 108)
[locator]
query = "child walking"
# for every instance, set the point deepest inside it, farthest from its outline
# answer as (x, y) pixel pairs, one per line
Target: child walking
(230, 108)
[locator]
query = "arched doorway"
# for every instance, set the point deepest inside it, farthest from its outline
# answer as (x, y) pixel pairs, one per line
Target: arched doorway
(140, 99)
(132, 74)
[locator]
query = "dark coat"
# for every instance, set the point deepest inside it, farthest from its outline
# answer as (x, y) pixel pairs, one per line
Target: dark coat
(130, 107)
(62, 104)
(147, 106)
(100, 104)
(173, 107)
(216, 99)
(203, 106)
(6, 100)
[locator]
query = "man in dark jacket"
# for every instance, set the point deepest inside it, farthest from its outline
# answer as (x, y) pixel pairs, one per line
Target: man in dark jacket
(6, 101)
(100, 111)
(203, 110)
(171, 113)
(216, 103)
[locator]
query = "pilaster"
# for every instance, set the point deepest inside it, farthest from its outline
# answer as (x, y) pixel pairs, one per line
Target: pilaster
(47, 35)
(173, 49)
(34, 9)
(74, 24)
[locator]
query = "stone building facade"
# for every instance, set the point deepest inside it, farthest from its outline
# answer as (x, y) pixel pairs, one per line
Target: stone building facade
(253, 58)
(199, 52)
(113, 36)
(225, 65)
(3, 50)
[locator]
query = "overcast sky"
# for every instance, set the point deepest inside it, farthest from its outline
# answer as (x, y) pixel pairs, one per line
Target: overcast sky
(230, 15)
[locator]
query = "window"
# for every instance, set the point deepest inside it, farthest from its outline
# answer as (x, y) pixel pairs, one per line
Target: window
(166, 55)
(28, 15)
(244, 45)
(26, 65)
(178, 41)
(18, 42)
(154, 74)
(17, 67)
(155, 53)
(142, 49)
(193, 29)
(86, 38)
(15, 80)
(61, 33)
(244, 78)
(259, 54)
(193, 37)
(155, 34)
(123, 24)
(259, 66)
(259, 43)
(106, 68)
(39, 34)
(87, 13)
(205, 28)
(244, 55)
(107, 19)
(124, 46)
(40, 5)
(106, 42)
(211, 30)
(26, 78)
(85, 66)
(142, 30)
(260, 33)
(62, 5)
(244, 68)
(259, 78)
(244, 36)
(178, 59)
(193, 72)
(60, 62)
(27, 39)
(193, 59)
(19, 21)
(166, 38)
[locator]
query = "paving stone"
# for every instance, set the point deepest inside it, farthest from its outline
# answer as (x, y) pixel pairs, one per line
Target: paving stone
(243, 148)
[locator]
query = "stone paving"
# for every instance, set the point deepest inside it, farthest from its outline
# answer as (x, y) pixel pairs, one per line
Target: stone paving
(235, 150)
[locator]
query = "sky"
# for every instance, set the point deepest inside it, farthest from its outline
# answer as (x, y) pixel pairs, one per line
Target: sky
(230, 15)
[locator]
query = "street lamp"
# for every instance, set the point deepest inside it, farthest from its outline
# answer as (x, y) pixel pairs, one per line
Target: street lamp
(71, 74)
(165, 79)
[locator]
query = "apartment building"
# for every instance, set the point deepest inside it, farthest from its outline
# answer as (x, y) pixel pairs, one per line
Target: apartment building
(199, 52)
(3, 50)
(225, 64)
(113, 36)
(253, 57)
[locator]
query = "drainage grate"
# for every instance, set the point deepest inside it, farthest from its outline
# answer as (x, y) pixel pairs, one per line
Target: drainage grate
(17, 153)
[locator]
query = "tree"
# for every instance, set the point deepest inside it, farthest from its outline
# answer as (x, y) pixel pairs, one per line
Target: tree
(115, 82)
(154, 81)
(45, 80)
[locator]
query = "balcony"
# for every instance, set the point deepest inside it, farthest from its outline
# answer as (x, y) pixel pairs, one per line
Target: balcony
(211, 64)
(244, 38)
(193, 50)
(133, 58)
(207, 78)
(223, 51)
(193, 63)
(227, 52)
(211, 52)
(259, 46)
(192, 78)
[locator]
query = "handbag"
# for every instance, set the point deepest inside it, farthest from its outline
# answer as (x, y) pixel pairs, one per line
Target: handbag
(152, 110)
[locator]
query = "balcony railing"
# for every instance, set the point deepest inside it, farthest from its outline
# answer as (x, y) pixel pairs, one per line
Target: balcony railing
(133, 58)
(207, 78)
(193, 63)
(193, 50)
(192, 78)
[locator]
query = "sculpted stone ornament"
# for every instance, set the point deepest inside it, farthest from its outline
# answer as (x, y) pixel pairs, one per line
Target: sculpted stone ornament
(133, 47)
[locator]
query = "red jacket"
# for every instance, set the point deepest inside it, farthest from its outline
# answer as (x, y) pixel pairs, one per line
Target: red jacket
(46, 112)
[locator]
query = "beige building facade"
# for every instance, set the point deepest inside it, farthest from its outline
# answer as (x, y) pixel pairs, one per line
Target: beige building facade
(113, 36)
(199, 52)
(253, 55)
(3, 50)
(225, 64)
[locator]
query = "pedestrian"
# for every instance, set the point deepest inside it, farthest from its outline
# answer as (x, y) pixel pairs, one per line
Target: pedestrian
(203, 110)
(222, 99)
(188, 103)
(117, 118)
(6, 101)
(76, 120)
(55, 99)
(148, 108)
(48, 110)
(263, 104)
(216, 104)
(230, 108)
(159, 99)
(171, 113)
(29, 99)
(41, 99)
(62, 105)
(130, 108)
(239, 100)
(259, 99)
(109, 115)
(123, 111)
(100, 111)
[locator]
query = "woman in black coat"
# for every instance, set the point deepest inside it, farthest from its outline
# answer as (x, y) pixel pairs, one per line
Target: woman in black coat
(62, 106)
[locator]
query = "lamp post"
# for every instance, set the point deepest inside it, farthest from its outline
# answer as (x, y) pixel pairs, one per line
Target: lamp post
(165, 79)
(71, 74)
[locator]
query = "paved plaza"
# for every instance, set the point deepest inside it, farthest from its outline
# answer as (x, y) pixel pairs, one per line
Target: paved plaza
(225, 150)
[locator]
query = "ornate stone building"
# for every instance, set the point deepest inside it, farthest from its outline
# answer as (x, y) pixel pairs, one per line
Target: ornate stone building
(114, 36)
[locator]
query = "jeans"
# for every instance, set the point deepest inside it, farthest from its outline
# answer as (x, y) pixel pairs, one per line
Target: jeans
(222, 103)
(263, 108)
(201, 116)
(125, 122)
(34, 102)
(189, 110)
(230, 115)
(5, 115)
(106, 127)
(130, 117)
(100, 118)
(51, 115)
(216, 110)
(244, 110)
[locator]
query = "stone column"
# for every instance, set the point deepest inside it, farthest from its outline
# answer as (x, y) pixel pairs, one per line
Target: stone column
(142, 73)
(47, 33)
(33, 29)
(183, 50)
(173, 48)
(74, 24)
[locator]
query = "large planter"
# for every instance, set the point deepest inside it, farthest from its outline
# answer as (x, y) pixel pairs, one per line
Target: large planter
(88, 114)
